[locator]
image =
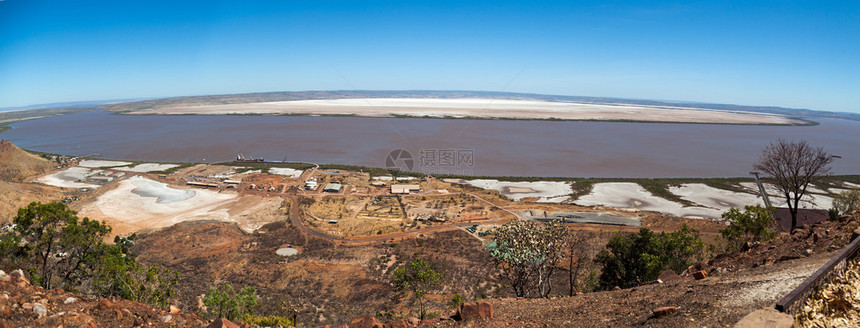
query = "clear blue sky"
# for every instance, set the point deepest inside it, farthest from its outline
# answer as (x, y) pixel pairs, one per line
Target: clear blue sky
(802, 54)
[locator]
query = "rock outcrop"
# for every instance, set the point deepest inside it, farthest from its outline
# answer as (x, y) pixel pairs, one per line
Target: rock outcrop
(475, 310)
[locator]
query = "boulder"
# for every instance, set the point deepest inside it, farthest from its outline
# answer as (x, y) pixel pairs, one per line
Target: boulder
(413, 321)
(40, 310)
(70, 300)
(5, 311)
(698, 266)
(365, 322)
(104, 305)
(222, 323)
(668, 276)
(475, 310)
(4, 277)
(19, 279)
(616, 288)
(664, 311)
(700, 274)
(174, 309)
(818, 234)
(80, 320)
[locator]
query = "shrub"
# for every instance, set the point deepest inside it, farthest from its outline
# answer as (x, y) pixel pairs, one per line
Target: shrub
(846, 201)
(752, 225)
(456, 301)
(633, 259)
(419, 278)
(226, 302)
(266, 321)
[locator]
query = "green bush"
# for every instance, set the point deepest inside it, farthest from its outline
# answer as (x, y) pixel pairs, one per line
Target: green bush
(120, 275)
(419, 278)
(456, 301)
(633, 259)
(846, 201)
(266, 321)
(754, 224)
(225, 302)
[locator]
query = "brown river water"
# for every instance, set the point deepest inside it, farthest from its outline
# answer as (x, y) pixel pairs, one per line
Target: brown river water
(457, 146)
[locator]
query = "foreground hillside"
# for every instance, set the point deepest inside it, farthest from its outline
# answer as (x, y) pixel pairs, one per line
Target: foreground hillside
(737, 284)
(327, 279)
(330, 283)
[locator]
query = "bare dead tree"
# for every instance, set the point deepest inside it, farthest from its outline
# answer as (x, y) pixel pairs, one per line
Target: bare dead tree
(793, 166)
(577, 253)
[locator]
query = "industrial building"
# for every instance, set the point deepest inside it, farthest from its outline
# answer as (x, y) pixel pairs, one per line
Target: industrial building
(202, 184)
(311, 184)
(404, 189)
(333, 187)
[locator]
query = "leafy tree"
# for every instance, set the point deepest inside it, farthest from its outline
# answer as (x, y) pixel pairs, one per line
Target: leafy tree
(419, 278)
(225, 302)
(793, 166)
(847, 201)
(528, 252)
(59, 248)
(752, 225)
(633, 259)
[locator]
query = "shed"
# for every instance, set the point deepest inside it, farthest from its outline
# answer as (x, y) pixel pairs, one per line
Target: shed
(404, 188)
(333, 187)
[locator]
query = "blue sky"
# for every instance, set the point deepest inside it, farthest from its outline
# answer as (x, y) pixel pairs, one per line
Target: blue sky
(801, 54)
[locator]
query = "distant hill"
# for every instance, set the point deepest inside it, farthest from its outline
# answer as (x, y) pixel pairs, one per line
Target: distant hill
(444, 94)
(11, 116)
(17, 164)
